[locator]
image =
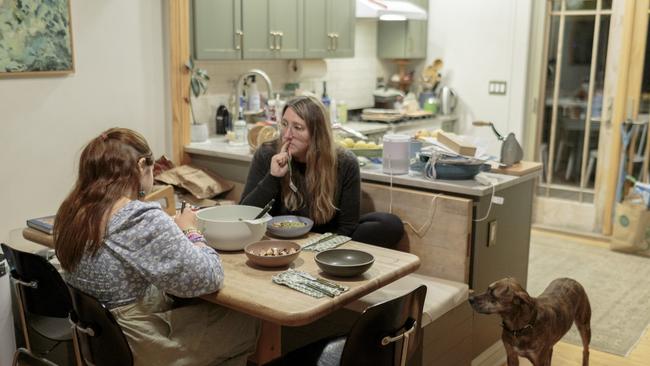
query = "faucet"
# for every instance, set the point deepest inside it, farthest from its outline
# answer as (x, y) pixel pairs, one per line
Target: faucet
(240, 82)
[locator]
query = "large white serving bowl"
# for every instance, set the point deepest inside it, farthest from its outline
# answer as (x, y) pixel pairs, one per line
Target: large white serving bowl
(223, 229)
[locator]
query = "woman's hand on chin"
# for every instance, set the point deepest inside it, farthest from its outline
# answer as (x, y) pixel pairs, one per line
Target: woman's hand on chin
(280, 161)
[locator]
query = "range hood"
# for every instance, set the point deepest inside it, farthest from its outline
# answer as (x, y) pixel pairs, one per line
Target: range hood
(390, 10)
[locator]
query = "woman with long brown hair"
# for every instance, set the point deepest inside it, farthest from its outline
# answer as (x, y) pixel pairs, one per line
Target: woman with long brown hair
(129, 254)
(309, 175)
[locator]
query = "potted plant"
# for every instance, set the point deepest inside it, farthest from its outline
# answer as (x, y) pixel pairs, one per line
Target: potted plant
(198, 86)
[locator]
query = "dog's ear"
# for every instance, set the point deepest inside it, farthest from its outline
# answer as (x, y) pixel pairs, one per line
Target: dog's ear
(520, 296)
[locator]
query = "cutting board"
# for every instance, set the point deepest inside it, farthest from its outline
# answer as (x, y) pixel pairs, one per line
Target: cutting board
(519, 169)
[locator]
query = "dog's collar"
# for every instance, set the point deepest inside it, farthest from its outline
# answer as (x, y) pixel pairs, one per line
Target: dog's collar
(516, 333)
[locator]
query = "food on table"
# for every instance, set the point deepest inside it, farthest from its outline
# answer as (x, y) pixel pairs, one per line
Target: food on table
(274, 252)
(288, 224)
(427, 133)
(349, 143)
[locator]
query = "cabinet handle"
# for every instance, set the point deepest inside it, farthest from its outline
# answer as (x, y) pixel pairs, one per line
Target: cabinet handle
(330, 41)
(281, 34)
(272, 41)
(239, 36)
(336, 41)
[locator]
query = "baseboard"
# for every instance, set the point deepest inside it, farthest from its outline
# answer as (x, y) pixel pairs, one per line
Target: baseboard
(495, 355)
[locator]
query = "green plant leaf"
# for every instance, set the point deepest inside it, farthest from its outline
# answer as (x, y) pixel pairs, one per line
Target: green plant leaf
(196, 88)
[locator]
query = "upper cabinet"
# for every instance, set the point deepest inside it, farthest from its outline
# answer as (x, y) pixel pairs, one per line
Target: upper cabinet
(218, 31)
(329, 28)
(273, 29)
(403, 39)
(251, 29)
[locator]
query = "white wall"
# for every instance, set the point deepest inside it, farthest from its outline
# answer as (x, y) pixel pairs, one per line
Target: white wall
(120, 80)
(479, 41)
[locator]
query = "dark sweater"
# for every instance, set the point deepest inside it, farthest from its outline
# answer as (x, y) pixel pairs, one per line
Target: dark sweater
(261, 187)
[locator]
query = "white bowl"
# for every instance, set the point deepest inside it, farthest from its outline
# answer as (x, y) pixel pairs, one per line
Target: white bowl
(231, 227)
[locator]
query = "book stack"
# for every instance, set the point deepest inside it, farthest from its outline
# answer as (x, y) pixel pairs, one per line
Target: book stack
(44, 224)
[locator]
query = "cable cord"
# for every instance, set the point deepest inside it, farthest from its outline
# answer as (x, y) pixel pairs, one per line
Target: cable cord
(489, 206)
(427, 225)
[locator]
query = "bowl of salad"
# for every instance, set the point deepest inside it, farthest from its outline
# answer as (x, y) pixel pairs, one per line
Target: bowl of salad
(289, 226)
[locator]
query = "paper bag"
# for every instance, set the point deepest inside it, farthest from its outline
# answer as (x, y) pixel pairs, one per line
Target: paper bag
(631, 228)
(199, 183)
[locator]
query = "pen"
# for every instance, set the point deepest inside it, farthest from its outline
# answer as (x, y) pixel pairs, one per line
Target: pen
(183, 203)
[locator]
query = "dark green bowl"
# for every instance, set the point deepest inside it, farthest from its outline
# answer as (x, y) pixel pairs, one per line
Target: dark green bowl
(344, 262)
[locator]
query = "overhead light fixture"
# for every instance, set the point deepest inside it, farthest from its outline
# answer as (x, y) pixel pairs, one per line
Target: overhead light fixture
(390, 10)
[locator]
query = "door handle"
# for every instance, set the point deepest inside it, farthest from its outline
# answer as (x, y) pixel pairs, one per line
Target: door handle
(273, 41)
(239, 38)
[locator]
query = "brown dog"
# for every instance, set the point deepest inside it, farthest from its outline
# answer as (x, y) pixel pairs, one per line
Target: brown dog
(531, 326)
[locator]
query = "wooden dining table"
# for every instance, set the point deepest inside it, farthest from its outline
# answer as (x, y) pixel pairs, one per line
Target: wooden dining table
(249, 289)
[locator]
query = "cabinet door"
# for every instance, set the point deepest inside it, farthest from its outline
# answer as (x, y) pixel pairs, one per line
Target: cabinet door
(416, 43)
(342, 24)
(216, 26)
(287, 25)
(391, 39)
(258, 40)
(316, 41)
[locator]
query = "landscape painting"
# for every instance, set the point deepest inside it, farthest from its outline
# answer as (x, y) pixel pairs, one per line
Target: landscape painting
(35, 38)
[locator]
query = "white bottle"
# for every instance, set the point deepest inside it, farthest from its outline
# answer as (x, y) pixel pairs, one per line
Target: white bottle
(333, 115)
(253, 96)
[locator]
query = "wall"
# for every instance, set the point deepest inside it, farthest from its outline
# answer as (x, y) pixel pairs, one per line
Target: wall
(481, 41)
(120, 80)
(349, 79)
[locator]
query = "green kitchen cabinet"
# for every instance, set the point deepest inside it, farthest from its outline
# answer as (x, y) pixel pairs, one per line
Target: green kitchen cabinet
(272, 29)
(403, 39)
(217, 26)
(329, 28)
(250, 29)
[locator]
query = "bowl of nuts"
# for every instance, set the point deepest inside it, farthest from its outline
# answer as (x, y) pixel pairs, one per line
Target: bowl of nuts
(272, 253)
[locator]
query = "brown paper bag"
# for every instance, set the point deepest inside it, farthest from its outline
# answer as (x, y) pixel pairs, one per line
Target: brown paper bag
(631, 228)
(198, 182)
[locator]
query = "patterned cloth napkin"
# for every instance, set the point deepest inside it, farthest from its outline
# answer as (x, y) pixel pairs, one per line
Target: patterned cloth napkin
(309, 284)
(325, 242)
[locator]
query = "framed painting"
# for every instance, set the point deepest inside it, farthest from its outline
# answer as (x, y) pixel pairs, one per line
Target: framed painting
(35, 38)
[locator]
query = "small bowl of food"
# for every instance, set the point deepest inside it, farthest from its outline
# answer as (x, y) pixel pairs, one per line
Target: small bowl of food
(289, 226)
(272, 253)
(344, 262)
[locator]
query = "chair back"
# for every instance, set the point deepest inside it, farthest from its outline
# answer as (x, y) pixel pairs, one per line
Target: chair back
(388, 333)
(22, 357)
(42, 291)
(99, 338)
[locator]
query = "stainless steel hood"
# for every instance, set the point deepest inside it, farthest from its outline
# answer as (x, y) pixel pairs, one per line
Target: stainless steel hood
(390, 10)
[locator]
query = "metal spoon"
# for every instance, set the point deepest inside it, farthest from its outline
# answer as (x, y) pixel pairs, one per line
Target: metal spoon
(292, 186)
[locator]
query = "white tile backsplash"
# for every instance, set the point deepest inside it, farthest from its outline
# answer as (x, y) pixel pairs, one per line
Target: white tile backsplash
(349, 79)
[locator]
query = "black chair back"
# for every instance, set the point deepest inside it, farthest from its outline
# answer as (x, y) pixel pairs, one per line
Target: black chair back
(23, 357)
(388, 333)
(44, 292)
(100, 340)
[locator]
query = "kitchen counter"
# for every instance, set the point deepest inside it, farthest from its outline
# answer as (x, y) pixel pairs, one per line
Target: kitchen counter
(217, 147)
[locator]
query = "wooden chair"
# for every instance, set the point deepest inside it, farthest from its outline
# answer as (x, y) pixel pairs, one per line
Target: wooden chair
(22, 357)
(166, 194)
(43, 300)
(386, 334)
(99, 340)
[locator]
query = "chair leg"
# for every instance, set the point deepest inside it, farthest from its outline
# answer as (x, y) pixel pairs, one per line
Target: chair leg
(560, 151)
(75, 346)
(593, 155)
(21, 314)
(569, 166)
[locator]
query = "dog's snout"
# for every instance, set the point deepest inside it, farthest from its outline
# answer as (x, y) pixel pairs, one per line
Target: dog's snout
(471, 299)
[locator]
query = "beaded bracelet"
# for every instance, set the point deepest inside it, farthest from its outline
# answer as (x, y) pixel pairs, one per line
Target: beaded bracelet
(192, 230)
(194, 237)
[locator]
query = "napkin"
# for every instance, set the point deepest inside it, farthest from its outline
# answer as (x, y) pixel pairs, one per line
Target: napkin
(308, 284)
(325, 242)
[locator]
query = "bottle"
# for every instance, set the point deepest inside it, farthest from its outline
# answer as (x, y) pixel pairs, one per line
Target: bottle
(253, 96)
(240, 132)
(325, 98)
(342, 111)
(334, 117)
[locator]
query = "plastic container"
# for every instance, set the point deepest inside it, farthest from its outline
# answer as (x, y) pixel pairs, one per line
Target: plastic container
(342, 111)
(396, 154)
(241, 132)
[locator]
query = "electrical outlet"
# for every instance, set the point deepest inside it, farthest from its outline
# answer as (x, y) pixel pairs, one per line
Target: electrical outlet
(492, 233)
(497, 87)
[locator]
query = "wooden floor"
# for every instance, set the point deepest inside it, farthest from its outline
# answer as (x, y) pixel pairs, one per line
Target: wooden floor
(565, 354)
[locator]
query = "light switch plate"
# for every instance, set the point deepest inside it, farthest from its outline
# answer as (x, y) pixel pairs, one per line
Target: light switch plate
(492, 233)
(497, 87)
